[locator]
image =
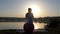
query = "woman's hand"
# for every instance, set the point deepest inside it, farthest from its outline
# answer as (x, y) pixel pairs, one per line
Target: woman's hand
(35, 20)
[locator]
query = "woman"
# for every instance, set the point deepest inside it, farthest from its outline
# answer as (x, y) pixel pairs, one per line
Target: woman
(29, 16)
(28, 26)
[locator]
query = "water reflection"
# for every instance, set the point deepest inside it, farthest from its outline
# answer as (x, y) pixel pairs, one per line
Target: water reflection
(40, 25)
(19, 25)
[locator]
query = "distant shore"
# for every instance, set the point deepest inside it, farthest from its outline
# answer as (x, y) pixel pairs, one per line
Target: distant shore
(16, 19)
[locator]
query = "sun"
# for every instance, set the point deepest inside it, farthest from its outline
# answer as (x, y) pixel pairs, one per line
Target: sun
(35, 10)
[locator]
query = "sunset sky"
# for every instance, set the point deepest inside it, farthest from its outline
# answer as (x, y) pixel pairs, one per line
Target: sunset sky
(40, 8)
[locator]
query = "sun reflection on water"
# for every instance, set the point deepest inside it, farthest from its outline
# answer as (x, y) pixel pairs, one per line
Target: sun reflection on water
(39, 25)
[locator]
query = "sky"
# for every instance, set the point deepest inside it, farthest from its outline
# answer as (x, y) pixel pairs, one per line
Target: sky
(18, 8)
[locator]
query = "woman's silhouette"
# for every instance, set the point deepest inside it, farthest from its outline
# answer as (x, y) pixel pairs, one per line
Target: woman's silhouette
(29, 16)
(28, 26)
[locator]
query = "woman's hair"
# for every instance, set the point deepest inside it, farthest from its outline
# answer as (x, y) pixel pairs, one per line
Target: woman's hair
(29, 9)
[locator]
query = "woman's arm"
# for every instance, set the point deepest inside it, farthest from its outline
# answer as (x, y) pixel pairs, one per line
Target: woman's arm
(34, 19)
(26, 16)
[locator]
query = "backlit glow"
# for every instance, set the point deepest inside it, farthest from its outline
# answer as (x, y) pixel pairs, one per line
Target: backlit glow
(35, 10)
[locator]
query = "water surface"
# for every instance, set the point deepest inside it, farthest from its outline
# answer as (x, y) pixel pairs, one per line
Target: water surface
(19, 25)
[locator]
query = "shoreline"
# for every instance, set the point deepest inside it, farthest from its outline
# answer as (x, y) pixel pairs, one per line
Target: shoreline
(13, 31)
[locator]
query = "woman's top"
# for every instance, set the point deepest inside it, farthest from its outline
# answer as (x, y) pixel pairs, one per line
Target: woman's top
(29, 18)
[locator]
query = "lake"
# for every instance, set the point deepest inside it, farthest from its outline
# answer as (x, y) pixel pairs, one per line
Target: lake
(19, 25)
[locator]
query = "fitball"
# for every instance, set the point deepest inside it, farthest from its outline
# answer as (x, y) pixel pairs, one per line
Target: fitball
(28, 27)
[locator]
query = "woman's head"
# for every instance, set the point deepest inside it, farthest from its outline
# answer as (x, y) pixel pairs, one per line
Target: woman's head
(29, 10)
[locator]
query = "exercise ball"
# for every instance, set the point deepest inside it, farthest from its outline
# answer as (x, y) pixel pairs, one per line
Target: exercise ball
(28, 27)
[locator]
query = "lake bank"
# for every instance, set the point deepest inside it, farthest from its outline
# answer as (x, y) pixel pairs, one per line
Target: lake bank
(13, 31)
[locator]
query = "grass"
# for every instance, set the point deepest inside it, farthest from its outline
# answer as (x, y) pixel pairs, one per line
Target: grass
(13, 31)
